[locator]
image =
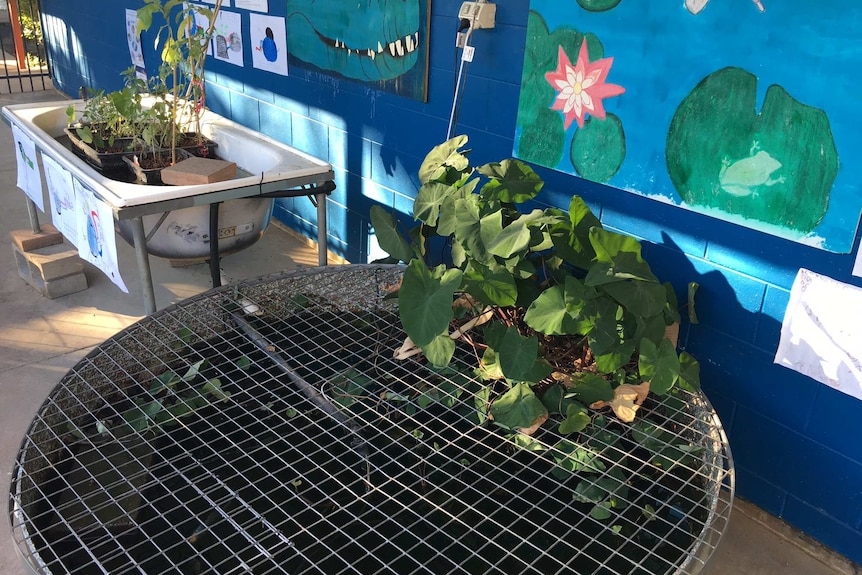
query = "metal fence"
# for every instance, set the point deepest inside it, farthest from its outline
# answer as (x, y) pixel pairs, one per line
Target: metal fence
(22, 51)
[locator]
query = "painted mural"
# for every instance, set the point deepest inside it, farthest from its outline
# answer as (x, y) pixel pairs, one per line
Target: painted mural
(739, 109)
(382, 43)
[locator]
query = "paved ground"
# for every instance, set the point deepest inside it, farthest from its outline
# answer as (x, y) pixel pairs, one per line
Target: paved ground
(40, 339)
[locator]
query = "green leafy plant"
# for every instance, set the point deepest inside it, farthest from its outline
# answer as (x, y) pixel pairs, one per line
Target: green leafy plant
(184, 47)
(572, 318)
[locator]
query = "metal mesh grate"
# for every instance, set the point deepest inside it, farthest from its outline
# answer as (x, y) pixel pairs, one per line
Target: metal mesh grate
(300, 446)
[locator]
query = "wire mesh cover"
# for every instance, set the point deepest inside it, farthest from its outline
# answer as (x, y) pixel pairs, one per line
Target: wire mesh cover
(264, 427)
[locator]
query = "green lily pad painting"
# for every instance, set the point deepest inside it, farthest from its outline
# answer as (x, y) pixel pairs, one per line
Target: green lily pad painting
(776, 167)
(703, 105)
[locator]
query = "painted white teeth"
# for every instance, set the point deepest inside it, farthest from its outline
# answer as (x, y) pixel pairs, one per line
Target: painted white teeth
(405, 45)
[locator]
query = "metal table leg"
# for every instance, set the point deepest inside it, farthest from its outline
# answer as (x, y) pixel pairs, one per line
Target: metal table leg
(322, 250)
(143, 259)
(34, 217)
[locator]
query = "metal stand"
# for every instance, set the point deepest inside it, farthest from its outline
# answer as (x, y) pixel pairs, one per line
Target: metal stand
(143, 260)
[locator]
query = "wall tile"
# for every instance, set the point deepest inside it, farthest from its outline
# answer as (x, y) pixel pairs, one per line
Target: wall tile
(244, 110)
(748, 376)
(841, 537)
(771, 316)
(765, 495)
(836, 420)
(274, 122)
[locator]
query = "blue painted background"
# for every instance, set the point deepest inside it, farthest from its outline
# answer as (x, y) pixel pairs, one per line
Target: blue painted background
(796, 442)
(661, 52)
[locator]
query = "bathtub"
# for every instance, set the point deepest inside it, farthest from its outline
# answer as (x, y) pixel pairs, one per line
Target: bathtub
(174, 221)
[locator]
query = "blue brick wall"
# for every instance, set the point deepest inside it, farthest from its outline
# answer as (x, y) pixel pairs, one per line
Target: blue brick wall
(795, 442)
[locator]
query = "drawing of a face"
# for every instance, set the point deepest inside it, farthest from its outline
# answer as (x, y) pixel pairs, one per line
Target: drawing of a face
(376, 41)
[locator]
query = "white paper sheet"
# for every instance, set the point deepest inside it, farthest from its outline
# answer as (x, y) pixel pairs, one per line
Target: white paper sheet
(134, 39)
(201, 21)
(821, 335)
(857, 265)
(61, 194)
(256, 5)
(227, 39)
(269, 43)
(29, 179)
(96, 239)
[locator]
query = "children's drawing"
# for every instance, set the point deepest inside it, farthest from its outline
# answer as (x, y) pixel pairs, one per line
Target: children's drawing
(95, 233)
(134, 39)
(228, 37)
(645, 98)
(29, 178)
(199, 25)
(383, 44)
(61, 194)
(268, 36)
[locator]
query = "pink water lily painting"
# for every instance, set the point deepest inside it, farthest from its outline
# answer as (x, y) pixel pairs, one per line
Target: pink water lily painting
(581, 89)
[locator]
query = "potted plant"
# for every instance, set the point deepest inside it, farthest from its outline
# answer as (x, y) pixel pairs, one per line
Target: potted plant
(565, 318)
(184, 45)
(109, 123)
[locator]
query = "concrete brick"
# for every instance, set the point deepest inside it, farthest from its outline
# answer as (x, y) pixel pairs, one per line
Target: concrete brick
(55, 286)
(27, 241)
(56, 261)
(64, 286)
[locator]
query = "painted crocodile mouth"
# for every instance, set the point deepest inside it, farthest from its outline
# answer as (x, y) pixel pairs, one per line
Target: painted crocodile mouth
(397, 49)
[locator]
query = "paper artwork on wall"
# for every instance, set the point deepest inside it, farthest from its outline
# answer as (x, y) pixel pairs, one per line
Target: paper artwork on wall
(821, 332)
(268, 41)
(96, 239)
(702, 105)
(61, 195)
(201, 22)
(256, 5)
(134, 39)
(29, 178)
(383, 45)
(227, 38)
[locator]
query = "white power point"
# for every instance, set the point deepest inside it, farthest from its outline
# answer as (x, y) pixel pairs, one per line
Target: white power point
(480, 14)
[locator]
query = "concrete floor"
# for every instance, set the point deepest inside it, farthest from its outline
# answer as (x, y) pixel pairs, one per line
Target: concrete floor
(40, 339)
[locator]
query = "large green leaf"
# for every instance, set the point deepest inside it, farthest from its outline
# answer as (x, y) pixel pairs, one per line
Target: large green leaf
(512, 181)
(425, 300)
(659, 365)
(617, 356)
(386, 231)
(524, 233)
(493, 287)
(447, 221)
(440, 351)
(590, 388)
(641, 298)
(426, 206)
(689, 372)
(518, 408)
(441, 158)
(577, 419)
(518, 355)
(601, 313)
(692, 290)
(547, 314)
(622, 253)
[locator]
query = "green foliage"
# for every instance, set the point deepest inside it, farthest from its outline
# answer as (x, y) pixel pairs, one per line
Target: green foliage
(171, 397)
(548, 280)
(184, 45)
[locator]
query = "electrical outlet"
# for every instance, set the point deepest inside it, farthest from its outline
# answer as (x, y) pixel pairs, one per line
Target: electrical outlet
(480, 14)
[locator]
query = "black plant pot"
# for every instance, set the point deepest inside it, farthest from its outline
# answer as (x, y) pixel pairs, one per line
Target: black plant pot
(101, 159)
